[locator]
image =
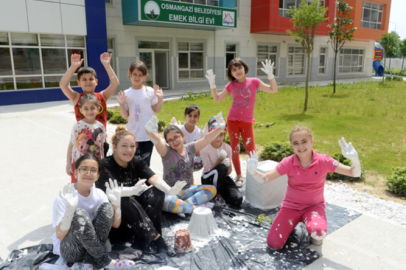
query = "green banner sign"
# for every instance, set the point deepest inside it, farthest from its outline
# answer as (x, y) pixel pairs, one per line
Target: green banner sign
(184, 13)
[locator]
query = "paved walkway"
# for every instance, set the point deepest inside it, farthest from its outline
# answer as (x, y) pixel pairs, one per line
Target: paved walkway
(34, 139)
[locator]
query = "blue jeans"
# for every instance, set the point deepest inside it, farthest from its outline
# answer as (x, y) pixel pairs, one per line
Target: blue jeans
(144, 151)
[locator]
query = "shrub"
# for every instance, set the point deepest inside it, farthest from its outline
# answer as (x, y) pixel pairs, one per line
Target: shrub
(397, 78)
(388, 78)
(117, 118)
(161, 125)
(109, 114)
(397, 181)
(276, 151)
(242, 146)
(345, 161)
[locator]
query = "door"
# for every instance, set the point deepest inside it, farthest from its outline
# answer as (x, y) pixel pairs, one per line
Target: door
(157, 65)
(148, 58)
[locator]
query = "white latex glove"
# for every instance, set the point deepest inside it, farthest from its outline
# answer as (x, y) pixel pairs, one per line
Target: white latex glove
(221, 153)
(211, 78)
(113, 192)
(349, 151)
(268, 68)
(134, 190)
(174, 122)
(152, 125)
(204, 131)
(71, 200)
(220, 121)
(226, 162)
(177, 188)
(252, 163)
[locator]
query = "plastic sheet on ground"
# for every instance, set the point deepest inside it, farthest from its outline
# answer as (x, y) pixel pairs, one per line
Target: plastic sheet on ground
(239, 244)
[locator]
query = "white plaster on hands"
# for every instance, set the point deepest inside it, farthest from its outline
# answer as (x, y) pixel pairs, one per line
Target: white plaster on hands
(175, 122)
(71, 200)
(113, 192)
(226, 162)
(152, 125)
(221, 153)
(252, 165)
(349, 151)
(220, 120)
(162, 185)
(177, 188)
(134, 190)
(211, 78)
(268, 68)
(204, 131)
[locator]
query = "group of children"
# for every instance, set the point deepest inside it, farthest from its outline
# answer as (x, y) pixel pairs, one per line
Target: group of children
(82, 210)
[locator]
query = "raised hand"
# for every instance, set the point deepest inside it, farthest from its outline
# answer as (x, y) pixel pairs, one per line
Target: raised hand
(105, 58)
(268, 68)
(349, 151)
(211, 78)
(220, 120)
(69, 196)
(152, 125)
(175, 122)
(121, 98)
(158, 92)
(252, 163)
(113, 192)
(177, 188)
(203, 131)
(75, 60)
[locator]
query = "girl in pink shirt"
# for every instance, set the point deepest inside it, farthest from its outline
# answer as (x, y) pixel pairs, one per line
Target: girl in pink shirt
(241, 115)
(304, 197)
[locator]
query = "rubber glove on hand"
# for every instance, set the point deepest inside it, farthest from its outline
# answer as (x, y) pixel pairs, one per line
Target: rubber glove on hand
(134, 190)
(113, 192)
(152, 125)
(268, 68)
(220, 120)
(349, 152)
(71, 200)
(175, 123)
(226, 162)
(211, 78)
(221, 153)
(177, 188)
(204, 131)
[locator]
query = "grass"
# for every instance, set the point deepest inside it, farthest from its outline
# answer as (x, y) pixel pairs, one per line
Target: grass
(368, 114)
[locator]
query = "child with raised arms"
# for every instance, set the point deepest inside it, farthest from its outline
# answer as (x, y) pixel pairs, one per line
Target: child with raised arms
(87, 135)
(304, 197)
(139, 103)
(83, 217)
(241, 115)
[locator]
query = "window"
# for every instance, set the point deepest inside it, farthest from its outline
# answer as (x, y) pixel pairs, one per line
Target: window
(285, 4)
(323, 60)
(108, 1)
(30, 61)
(200, 2)
(351, 60)
(231, 53)
(296, 61)
(190, 62)
(371, 15)
(267, 52)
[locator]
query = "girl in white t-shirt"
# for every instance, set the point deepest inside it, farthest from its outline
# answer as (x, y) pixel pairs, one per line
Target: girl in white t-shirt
(138, 104)
(83, 217)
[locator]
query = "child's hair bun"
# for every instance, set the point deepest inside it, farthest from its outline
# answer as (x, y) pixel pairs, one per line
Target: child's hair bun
(120, 128)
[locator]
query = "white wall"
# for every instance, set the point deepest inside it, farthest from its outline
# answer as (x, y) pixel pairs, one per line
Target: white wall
(52, 16)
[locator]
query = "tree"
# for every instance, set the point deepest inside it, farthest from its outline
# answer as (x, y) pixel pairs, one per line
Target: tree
(340, 32)
(389, 42)
(305, 20)
(403, 50)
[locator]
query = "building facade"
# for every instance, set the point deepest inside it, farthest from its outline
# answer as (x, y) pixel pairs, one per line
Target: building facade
(177, 39)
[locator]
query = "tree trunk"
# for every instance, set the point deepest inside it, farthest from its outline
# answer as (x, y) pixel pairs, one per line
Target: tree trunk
(383, 76)
(307, 80)
(403, 61)
(335, 71)
(390, 62)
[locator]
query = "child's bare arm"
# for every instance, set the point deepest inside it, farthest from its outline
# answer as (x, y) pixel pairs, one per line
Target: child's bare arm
(345, 170)
(272, 88)
(160, 146)
(216, 96)
(122, 100)
(105, 59)
(160, 96)
(73, 96)
(209, 137)
(68, 159)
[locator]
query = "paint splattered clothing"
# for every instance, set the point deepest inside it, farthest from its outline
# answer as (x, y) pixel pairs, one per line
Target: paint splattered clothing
(101, 114)
(88, 204)
(141, 216)
(243, 94)
(306, 185)
(178, 167)
(139, 106)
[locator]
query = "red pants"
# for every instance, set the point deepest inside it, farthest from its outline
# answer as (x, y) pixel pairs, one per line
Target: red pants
(247, 133)
(314, 217)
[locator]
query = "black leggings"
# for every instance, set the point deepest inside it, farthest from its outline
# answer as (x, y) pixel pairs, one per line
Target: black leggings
(85, 241)
(141, 218)
(225, 185)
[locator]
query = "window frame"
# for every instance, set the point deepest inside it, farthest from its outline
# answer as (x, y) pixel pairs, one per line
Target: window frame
(342, 66)
(41, 73)
(236, 53)
(304, 62)
(218, 2)
(371, 8)
(277, 59)
(297, 3)
(325, 61)
(189, 62)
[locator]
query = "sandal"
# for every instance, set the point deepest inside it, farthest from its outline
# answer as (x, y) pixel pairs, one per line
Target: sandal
(239, 183)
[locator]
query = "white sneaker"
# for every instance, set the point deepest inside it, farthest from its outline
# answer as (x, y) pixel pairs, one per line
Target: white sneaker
(208, 205)
(182, 215)
(316, 242)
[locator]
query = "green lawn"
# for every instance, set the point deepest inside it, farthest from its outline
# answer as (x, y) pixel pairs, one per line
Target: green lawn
(368, 114)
